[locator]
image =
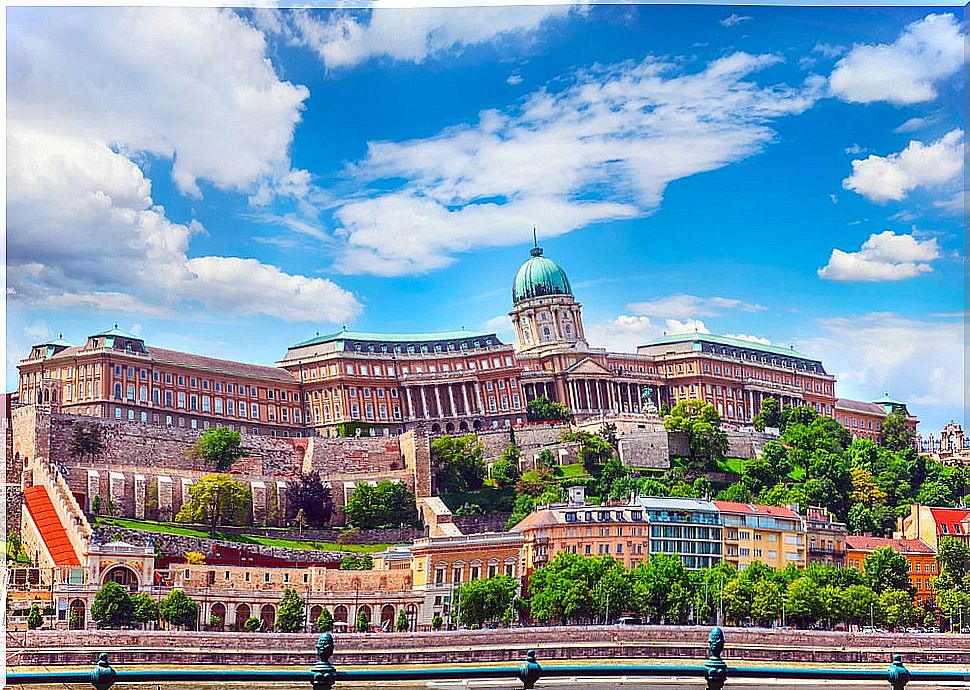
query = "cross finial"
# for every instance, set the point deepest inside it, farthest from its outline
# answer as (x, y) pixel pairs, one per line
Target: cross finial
(535, 237)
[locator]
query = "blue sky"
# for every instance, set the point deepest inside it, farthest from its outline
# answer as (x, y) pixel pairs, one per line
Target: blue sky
(231, 182)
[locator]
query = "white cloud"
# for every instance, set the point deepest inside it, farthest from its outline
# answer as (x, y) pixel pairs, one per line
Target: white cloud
(828, 50)
(914, 124)
(514, 80)
(885, 256)
(855, 149)
(90, 91)
(905, 71)
(345, 38)
(748, 338)
(919, 361)
(685, 326)
(683, 306)
(601, 148)
(955, 205)
(892, 177)
(735, 19)
(501, 326)
(622, 334)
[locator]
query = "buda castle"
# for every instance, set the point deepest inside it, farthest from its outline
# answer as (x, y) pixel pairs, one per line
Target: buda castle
(352, 382)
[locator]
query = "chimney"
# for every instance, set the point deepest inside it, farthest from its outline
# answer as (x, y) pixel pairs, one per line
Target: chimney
(577, 495)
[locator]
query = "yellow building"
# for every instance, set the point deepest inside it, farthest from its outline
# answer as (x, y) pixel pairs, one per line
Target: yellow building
(772, 535)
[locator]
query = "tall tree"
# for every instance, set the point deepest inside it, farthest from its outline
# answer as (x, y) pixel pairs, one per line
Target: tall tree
(218, 447)
(290, 612)
(144, 608)
(897, 607)
(325, 620)
(505, 471)
(542, 409)
(768, 416)
(486, 600)
(386, 504)
(214, 500)
(896, 431)
(662, 588)
(178, 609)
(702, 424)
(954, 558)
(87, 441)
(307, 493)
(34, 619)
(112, 607)
(886, 569)
(457, 463)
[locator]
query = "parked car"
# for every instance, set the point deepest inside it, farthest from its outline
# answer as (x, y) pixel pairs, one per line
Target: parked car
(629, 620)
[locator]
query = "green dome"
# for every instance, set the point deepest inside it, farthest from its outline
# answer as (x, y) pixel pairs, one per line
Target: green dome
(538, 277)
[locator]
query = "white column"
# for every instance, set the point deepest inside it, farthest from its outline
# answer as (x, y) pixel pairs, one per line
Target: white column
(410, 414)
(610, 396)
(437, 397)
(451, 399)
(424, 402)
(464, 395)
(478, 397)
(589, 400)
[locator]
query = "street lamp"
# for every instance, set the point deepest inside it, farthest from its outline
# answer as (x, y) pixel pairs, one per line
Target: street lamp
(872, 614)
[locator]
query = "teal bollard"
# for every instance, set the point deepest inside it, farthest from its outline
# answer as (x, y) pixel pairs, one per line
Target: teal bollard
(324, 674)
(103, 676)
(530, 671)
(716, 668)
(898, 674)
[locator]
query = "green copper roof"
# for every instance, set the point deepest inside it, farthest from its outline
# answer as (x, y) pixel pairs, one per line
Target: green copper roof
(886, 400)
(538, 277)
(731, 342)
(117, 333)
(344, 334)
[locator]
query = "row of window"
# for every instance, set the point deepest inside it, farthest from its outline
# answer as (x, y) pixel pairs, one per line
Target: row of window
(132, 415)
(179, 400)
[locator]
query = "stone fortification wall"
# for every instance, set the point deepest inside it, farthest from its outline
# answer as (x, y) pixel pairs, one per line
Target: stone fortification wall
(747, 444)
(393, 535)
(349, 456)
(527, 438)
(176, 545)
(649, 449)
(43, 647)
(476, 524)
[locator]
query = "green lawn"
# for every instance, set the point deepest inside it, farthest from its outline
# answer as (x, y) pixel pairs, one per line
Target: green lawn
(168, 528)
(570, 471)
(490, 498)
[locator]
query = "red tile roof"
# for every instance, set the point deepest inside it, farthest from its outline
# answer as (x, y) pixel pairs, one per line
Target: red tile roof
(951, 517)
(221, 365)
(860, 407)
(51, 530)
(755, 509)
(862, 543)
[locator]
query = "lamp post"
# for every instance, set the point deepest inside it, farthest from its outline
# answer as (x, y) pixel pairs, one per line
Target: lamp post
(872, 614)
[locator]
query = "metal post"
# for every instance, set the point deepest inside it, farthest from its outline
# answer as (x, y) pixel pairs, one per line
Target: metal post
(324, 674)
(715, 666)
(530, 671)
(897, 673)
(103, 676)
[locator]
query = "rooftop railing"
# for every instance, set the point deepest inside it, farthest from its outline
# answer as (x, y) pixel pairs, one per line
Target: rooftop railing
(323, 675)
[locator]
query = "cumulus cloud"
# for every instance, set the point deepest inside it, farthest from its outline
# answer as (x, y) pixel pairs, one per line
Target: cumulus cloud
(90, 92)
(892, 177)
(827, 50)
(683, 306)
(919, 361)
(749, 338)
(885, 256)
(344, 38)
(602, 147)
(905, 71)
(734, 19)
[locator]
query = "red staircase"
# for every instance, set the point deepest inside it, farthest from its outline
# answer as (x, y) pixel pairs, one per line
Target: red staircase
(42, 512)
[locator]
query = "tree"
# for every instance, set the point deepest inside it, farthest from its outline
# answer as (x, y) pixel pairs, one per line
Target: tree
(194, 558)
(954, 559)
(877, 520)
(662, 588)
(252, 624)
(865, 490)
(886, 569)
(144, 608)
(542, 409)
(803, 602)
(352, 561)
(952, 603)
(897, 607)
(702, 424)
(505, 471)
(436, 621)
(34, 619)
(290, 612)
(403, 624)
(87, 440)
(325, 620)
(534, 482)
(214, 499)
(766, 603)
(457, 464)
(218, 447)
(386, 504)
(112, 607)
(768, 416)
(896, 431)
(546, 459)
(485, 600)
(593, 452)
(363, 622)
(863, 604)
(308, 494)
(179, 610)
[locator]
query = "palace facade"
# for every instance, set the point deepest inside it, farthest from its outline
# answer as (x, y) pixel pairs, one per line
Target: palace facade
(384, 383)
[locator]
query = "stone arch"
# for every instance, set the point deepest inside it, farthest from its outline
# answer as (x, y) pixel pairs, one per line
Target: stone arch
(123, 575)
(218, 611)
(435, 428)
(387, 618)
(463, 426)
(341, 614)
(366, 610)
(449, 428)
(411, 611)
(76, 617)
(315, 612)
(242, 613)
(267, 616)
(477, 424)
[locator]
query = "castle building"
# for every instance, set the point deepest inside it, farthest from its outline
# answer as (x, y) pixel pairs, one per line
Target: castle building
(352, 382)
